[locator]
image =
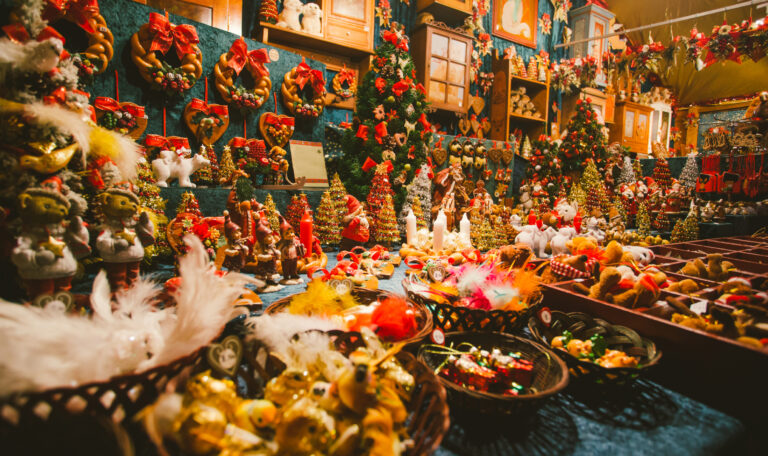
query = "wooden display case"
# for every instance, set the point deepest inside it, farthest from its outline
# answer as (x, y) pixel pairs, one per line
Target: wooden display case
(503, 120)
(451, 11)
(442, 59)
(632, 126)
(224, 14)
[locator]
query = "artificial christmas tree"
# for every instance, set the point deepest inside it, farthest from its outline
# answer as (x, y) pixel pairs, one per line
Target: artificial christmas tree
(690, 172)
(268, 11)
(377, 197)
(418, 212)
(391, 122)
(661, 222)
(661, 174)
(643, 219)
(385, 231)
(577, 195)
(627, 175)
(486, 239)
(638, 168)
(273, 216)
(226, 167)
(594, 188)
(476, 226)
(619, 205)
(338, 193)
(295, 211)
(585, 140)
(687, 229)
(189, 204)
(208, 174)
(545, 168)
(421, 189)
(152, 203)
(327, 228)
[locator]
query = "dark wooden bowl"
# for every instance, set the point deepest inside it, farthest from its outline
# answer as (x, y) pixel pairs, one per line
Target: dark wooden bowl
(450, 317)
(583, 326)
(424, 323)
(550, 374)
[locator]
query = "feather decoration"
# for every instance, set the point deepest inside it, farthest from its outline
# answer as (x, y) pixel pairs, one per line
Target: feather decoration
(120, 148)
(276, 331)
(68, 122)
(471, 278)
(44, 348)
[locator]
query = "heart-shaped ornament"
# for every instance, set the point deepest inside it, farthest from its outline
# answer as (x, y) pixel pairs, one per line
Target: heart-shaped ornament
(439, 156)
(225, 356)
(127, 118)
(485, 124)
(342, 286)
(495, 155)
(507, 155)
(207, 121)
(276, 129)
(477, 104)
(475, 125)
(464, 126)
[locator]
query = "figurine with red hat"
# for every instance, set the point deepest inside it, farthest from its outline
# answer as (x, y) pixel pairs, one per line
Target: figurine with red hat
(266, 254)
(123, 235)
(52, 239)
(355, 225)
(291, 249)
(234, 253)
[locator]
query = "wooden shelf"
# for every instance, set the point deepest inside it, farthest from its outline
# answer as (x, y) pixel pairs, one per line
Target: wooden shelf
(448, 11)
(529, 118)
(528, 81)
(283, 37)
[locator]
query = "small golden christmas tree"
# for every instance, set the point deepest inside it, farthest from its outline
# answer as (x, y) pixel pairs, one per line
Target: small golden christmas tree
(273, 216)
(227, 167)
(327, 227)
(643, 220)
(386, 223)
(421, 222)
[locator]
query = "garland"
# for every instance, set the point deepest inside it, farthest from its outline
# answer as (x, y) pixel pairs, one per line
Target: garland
(230, 65)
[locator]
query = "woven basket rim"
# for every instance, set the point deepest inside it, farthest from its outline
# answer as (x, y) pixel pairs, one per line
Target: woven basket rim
(559, 386)
(281, 304)
(534, 326)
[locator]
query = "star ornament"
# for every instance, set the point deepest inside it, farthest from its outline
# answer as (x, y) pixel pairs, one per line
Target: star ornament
(545, 24)
(410, 126)
(55, 246)
(128, 235)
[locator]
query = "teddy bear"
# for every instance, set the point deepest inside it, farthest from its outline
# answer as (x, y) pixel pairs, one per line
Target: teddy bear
(515, 255)
(52, 239)
(609, 278)
(581, 244)
(568, 267)
(613, 254)
(715, 269)
(644, 292)
(311, 18)
(289, 16)
(685, 286)
(123, 237)
(291, 249)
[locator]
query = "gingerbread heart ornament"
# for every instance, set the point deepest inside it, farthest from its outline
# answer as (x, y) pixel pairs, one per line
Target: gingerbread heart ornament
(276, 129)
(507, 154)
(464, 126)
(225, 357)
(477, 104)
(126, 118)
(207, 121)
(439, 155)
(495, 155)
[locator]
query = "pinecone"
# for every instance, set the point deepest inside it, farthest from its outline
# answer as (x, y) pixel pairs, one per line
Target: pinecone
(387, 72)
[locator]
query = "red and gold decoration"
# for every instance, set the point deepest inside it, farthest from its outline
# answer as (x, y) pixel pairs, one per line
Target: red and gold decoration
(303, 91)
(276, 129)
(207, 121)
(228, 68)
(345, 83)
(125, 118)
(153, 40)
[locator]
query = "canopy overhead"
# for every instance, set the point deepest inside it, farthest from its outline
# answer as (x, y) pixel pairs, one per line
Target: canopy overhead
(691, 86)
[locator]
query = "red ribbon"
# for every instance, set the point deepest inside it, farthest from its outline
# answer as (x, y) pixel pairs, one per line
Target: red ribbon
(199, 105)
(390, 36)
(238, 141)
(240, 56)
(424, 122)
(178, 142)
(273, 119)
(78, 11)
(362, 132)
(182, 37)
(111, 105)
(346, 75)
(401, 86)
(381, 131)
(156, 141)
(58, 96)
(306, 74)
(370, 163)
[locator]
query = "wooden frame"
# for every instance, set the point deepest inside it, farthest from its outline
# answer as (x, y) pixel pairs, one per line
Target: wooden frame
(225, 14)
(510, 18)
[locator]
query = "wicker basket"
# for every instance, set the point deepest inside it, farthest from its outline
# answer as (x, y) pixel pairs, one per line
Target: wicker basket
(365, 296)
(583, 326)
(112, 401)
(452, 318)
(550, 374)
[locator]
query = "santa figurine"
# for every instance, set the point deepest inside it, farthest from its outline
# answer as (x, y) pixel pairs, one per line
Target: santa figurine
(291, 249)
(355, 223)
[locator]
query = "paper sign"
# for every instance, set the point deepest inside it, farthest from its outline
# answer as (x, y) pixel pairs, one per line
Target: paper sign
(309, 161)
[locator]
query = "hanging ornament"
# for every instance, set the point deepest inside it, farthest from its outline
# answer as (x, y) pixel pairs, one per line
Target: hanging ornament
(228, 68)
(296, 83)
(207, 122)
(545, 24)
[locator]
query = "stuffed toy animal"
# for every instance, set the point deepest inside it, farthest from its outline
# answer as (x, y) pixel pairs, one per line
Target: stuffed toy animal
(581, 244)
(609, 278)
(566, 267)
(289, 16)
(311, 19)
(643, 293)
(613, 254)
(52, 239)
(685, 286)
(716, 268)
(170, 165)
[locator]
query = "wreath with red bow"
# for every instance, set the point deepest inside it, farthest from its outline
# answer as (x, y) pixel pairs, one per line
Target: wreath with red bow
(153, 40)
(228, 68)
(348, 77)
(296, 82)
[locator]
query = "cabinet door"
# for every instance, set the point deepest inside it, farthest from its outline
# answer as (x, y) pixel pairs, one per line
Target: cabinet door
(350, 22)
(223, 14)
(448, 67)
(641, 128)
(628, 129)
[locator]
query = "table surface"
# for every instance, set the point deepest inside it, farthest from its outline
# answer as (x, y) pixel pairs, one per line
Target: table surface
(642, 418)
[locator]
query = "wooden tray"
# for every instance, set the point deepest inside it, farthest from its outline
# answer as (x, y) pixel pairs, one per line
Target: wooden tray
(746, 255)
(676, 254)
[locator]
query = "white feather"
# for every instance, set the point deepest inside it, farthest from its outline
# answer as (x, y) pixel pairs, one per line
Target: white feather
(276, 331)
(128, 159)
(499, 294)
(471, 279)
(63, 119)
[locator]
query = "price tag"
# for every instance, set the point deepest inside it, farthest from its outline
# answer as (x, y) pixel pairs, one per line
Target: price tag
(545, 316)
(699, 307)
(438, 336)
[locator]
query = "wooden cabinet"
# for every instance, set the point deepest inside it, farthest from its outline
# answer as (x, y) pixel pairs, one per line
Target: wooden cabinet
(504, 117)
(632, 126)
(450, 11)
(603, 104)
(223, 14)
(442, 57)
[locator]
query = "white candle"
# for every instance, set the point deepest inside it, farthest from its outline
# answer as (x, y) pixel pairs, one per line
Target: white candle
(410, 228)
(438, 232)
(464, 227)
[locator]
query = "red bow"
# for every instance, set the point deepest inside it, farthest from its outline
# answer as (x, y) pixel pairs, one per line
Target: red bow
(275, 120)
(370, 163)
(78, 11)
(412, 154)
(111, 105)
(199, 105)
(306, 74)
(362, 132)
(240, 56)
(346, 125)
(401, 86)
(58, 96)
(424, 122)
(390, 36)
(178, 142)
(181, 36)
(403, 45)
(16, 32)
(430, 174)
(381, 131)
(346, 75)
(421, 88)
(156, 141)
(238, 141)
